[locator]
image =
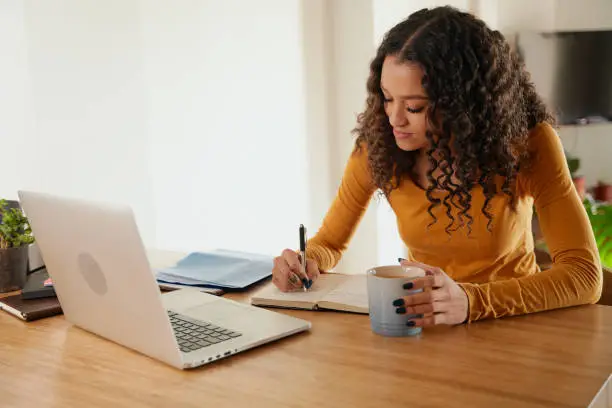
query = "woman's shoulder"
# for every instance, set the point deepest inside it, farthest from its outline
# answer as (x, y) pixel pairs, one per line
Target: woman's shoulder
(541, 134)
(544, 144)
(359, 153)
(360, 149)
(545, 155)
(358, 163)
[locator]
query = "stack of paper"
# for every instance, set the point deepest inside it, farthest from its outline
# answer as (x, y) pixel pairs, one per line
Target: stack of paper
(218, 269)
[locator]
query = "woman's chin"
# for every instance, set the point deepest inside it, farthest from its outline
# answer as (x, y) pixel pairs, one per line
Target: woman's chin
(408, 145)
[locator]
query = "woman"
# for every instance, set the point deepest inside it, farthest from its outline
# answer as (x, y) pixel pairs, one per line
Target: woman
(456, 138)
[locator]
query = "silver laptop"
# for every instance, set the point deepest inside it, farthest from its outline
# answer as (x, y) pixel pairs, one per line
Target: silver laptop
(96, 259)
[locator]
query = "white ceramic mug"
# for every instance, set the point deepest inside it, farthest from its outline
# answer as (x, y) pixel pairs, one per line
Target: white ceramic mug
(385, 284)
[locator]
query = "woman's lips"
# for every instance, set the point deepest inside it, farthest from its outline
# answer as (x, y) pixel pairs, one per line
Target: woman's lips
(402, 135)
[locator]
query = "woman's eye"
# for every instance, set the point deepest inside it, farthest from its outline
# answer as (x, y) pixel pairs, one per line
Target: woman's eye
(386, 100)
(415, 110)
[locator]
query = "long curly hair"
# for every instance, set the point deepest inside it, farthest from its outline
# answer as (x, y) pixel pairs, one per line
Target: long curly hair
(478, 91)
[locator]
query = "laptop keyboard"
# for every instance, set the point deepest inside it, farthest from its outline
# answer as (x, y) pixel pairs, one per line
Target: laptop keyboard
(195, 334)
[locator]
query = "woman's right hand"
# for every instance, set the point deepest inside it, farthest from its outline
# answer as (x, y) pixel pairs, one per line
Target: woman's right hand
(287, 273)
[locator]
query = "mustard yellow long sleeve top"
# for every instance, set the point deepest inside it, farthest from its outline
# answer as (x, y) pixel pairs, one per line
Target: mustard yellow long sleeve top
(497, 268)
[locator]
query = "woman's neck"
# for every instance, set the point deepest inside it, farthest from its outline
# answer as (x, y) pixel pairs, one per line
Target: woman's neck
(423, 166)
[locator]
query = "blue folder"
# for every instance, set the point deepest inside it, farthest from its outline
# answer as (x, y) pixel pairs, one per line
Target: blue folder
(222, 269)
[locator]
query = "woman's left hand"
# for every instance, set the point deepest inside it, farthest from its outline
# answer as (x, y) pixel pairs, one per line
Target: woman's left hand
(442, 300)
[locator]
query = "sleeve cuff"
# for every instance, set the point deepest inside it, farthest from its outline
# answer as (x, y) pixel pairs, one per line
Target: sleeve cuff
(471, 290)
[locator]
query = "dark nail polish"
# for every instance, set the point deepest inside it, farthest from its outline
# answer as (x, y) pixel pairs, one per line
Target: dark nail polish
(398, 302)
(410, 323)
(400, 310)
(309, 284)
(305, 282)
(408, 285)
(400, 260)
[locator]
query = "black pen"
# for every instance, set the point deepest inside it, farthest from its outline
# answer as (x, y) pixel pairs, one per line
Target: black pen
(305, 279)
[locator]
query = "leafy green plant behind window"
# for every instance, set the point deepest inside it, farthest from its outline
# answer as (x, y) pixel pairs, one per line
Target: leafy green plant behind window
(600, 216)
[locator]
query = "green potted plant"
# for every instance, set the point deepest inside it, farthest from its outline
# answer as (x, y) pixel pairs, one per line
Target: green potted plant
(15, 239)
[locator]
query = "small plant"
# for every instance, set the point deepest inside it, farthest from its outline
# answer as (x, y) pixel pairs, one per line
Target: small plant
(15, 230)
(573, 163)
(600, 216)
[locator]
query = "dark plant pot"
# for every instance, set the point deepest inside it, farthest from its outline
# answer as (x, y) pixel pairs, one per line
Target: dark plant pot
(13, 268)
(603, 192)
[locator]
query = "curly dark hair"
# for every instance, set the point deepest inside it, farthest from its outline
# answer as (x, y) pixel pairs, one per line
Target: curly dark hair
(478, 91)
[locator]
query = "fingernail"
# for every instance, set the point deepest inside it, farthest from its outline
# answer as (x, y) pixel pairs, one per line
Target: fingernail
(400, 310)
(400, 260)
(410, 323)
(309, 284)
(305, 282)
(408, 285)
(398, 302)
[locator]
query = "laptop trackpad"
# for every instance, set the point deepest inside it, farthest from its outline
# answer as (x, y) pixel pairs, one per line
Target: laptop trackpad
(225, 314)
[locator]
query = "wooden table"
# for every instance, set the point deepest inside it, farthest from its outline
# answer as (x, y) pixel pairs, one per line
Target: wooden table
(552, 359)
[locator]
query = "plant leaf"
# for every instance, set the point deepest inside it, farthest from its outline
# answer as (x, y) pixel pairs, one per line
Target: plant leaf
(15, 228)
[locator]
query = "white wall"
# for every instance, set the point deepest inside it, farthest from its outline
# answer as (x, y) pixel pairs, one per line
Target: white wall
(226, 123)
(583, 15)
(14, 82)
(319, 89)
(509, 16)
(352, 50)
(86, 133)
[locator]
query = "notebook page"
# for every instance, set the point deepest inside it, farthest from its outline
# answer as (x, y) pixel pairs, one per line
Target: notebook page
(351, 292)
(271, 295)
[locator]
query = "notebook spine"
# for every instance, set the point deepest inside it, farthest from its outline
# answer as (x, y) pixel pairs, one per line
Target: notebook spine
(40, 314)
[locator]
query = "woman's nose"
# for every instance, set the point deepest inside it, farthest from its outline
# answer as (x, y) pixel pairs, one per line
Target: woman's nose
(397, 116)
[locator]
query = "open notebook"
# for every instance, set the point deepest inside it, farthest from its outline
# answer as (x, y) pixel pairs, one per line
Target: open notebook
(330, 291)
